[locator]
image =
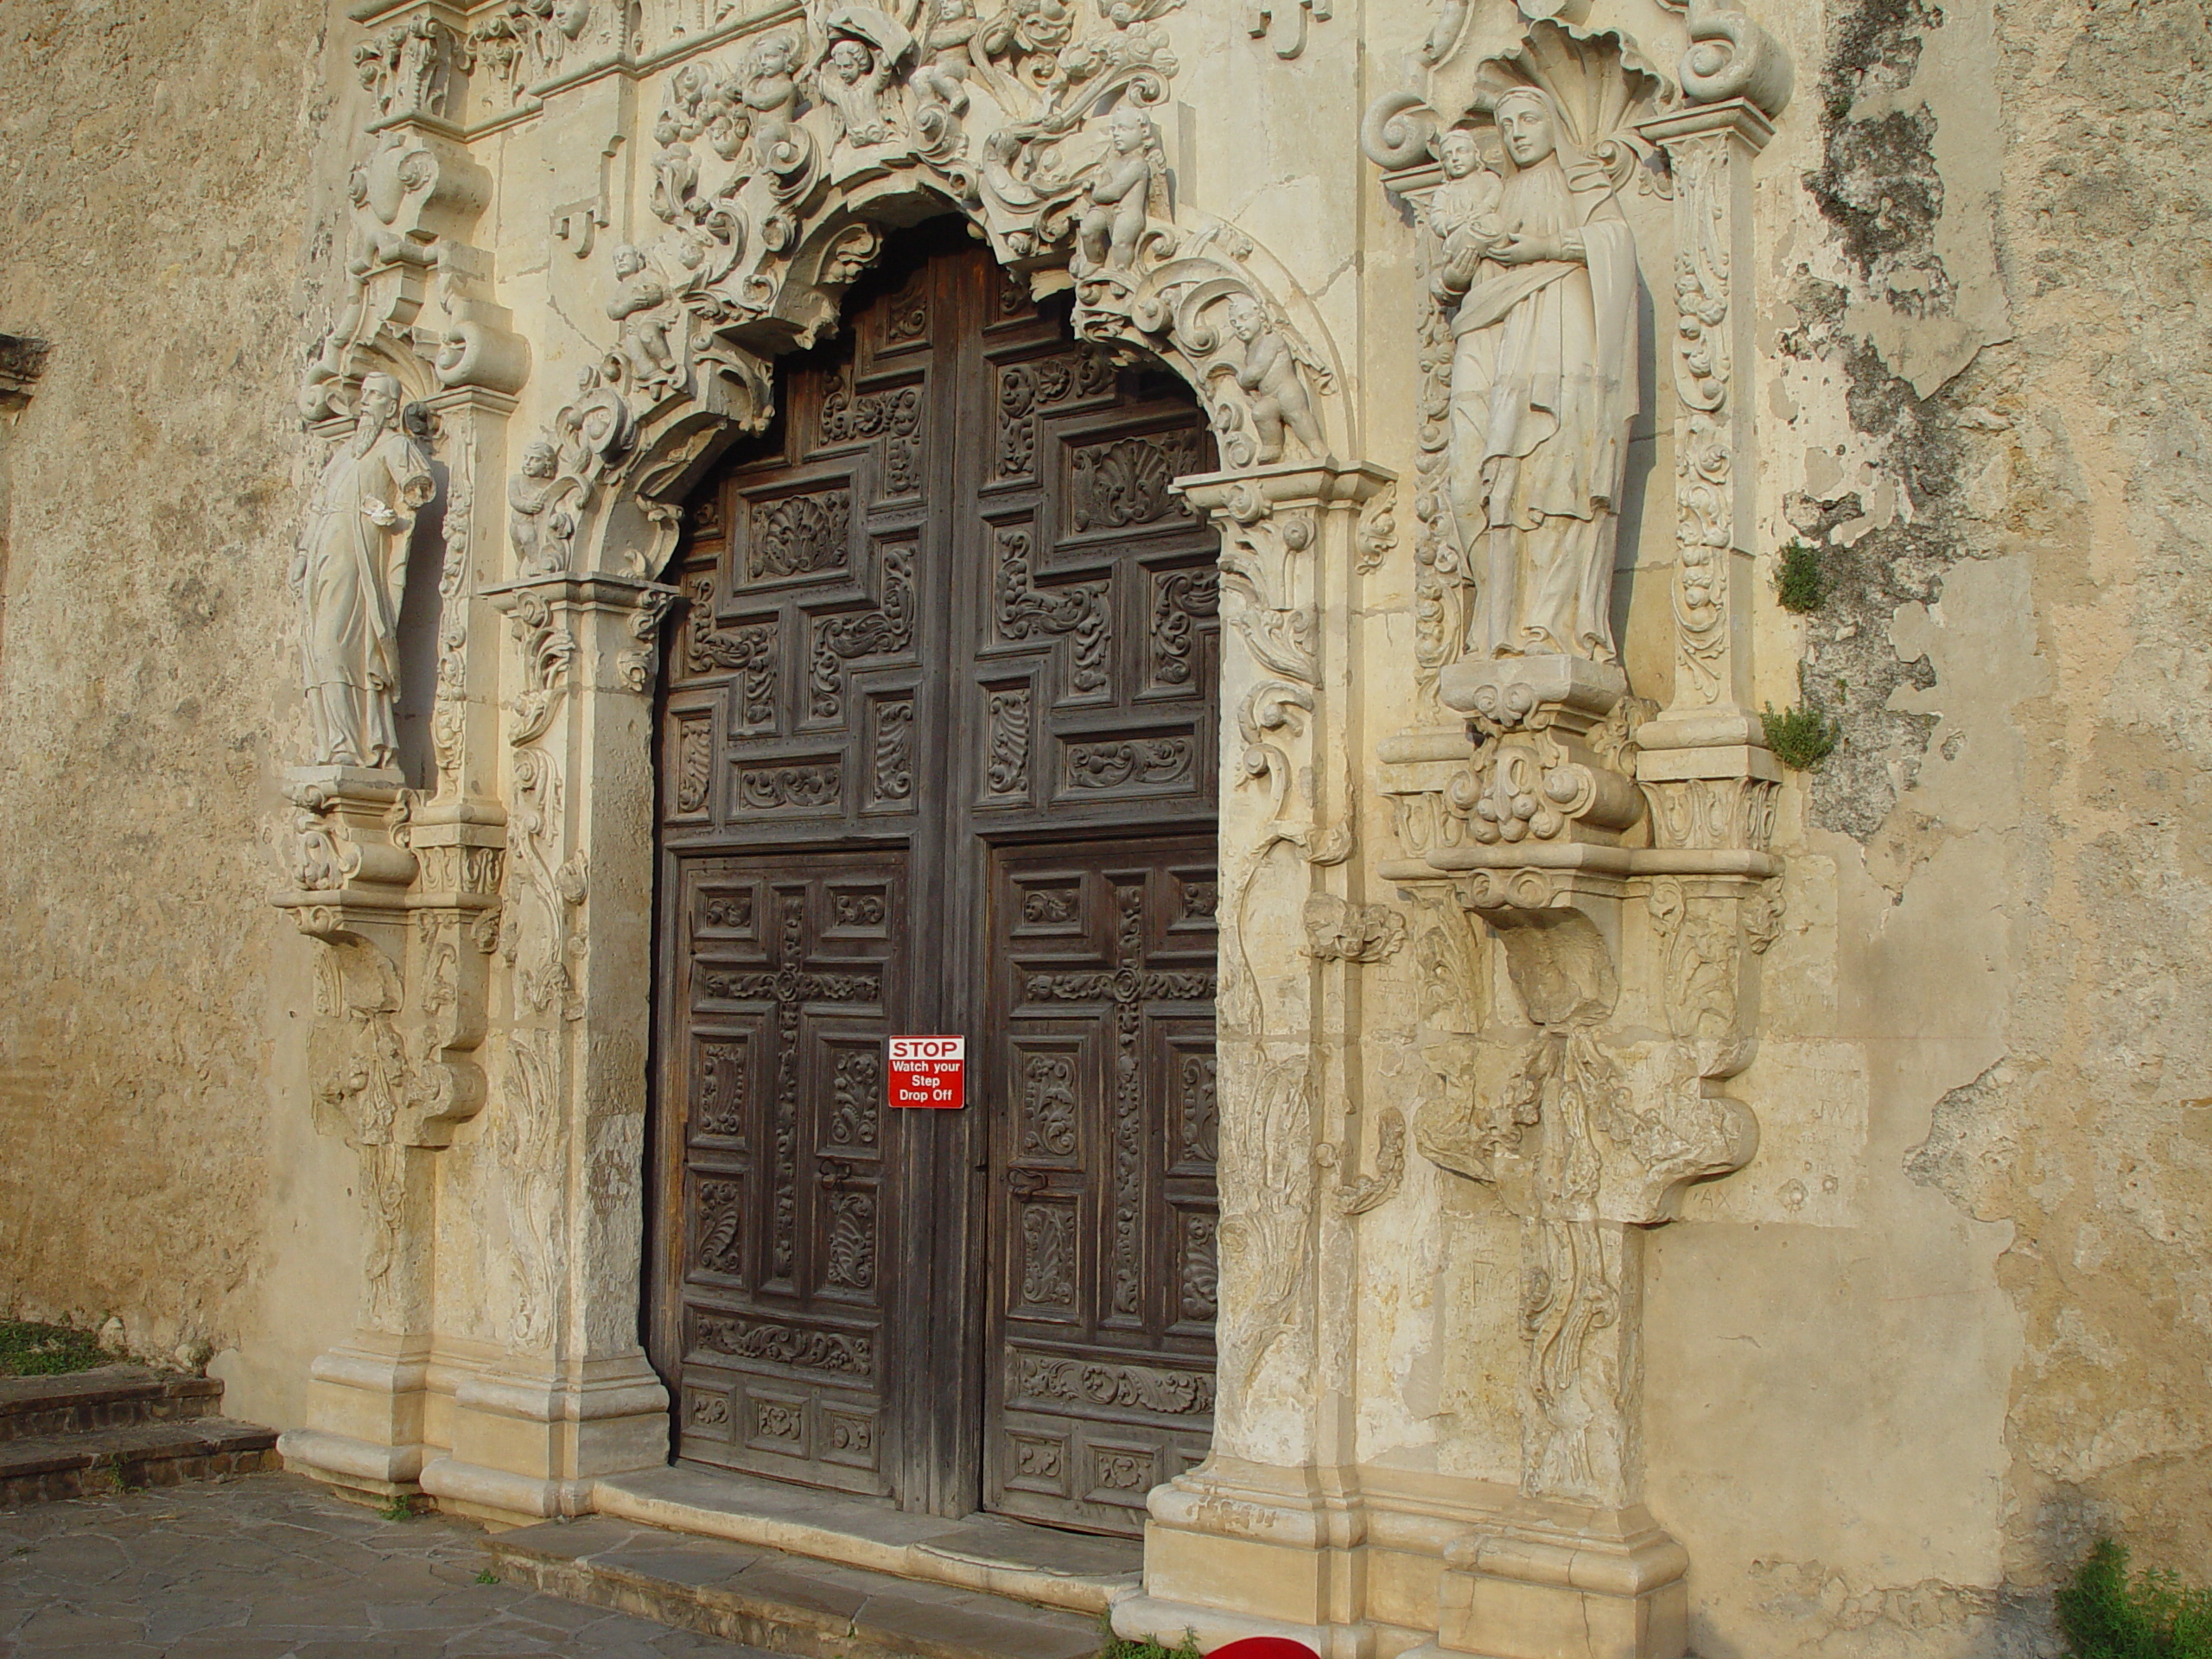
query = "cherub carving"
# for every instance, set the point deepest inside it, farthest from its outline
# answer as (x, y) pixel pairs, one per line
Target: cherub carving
(640, 305)
(948, 54)
(1275, 392)
(768, 87)
(853, 79)
(540, 537)
(1128, 186)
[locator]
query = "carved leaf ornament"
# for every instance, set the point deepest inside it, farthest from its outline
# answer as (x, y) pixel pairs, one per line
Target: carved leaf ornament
(771, 155)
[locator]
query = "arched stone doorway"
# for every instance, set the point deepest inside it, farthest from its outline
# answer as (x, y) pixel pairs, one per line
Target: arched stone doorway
(938, 749)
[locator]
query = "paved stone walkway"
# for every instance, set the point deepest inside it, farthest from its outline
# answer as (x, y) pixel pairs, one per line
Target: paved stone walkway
(270, 1566)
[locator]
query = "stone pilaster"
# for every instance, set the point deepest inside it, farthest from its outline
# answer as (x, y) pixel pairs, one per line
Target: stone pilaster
(1261, 1538)
(1709, 733)
(573, 1397)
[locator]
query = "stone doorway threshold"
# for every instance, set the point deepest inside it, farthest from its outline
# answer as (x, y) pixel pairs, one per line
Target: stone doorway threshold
(1073, 1572)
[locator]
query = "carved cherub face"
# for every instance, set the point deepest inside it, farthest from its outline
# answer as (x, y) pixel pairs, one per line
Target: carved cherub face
(951, 11)
(848, 60)
(1127, 129)
(774, 56)
(1524, 123)
(1458, 151)
(539, 461)
(628, 261)
(1245, 320)
(570, 16)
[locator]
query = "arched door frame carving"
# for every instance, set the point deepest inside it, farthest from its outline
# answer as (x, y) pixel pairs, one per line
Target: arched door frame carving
(487, 936)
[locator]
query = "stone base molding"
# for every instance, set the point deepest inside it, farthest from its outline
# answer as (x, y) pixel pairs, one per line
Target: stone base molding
(1377, 1560)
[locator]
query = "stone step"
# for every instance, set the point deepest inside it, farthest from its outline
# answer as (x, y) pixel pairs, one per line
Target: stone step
(41, 1468)
(1072, 1572)
(114, 1396)
(783, 1601)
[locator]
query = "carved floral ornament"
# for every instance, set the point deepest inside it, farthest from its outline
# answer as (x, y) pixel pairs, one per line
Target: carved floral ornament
(780, 159)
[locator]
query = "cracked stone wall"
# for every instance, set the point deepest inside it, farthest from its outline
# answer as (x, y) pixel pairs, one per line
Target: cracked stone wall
(154, 229)
(1989, 1345)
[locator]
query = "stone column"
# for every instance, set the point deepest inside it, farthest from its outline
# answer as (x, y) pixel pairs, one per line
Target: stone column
(1259, 1539)
(1708, 736)
(573, 1397)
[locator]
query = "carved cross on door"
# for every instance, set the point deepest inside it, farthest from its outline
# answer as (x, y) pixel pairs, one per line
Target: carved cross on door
(1128, 987)
(790, 985)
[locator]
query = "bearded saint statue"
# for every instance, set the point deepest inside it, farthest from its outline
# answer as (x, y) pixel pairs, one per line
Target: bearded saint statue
(1544, 389)
(351, 572)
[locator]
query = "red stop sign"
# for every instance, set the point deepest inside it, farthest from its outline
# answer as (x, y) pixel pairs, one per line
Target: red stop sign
(929, 1072)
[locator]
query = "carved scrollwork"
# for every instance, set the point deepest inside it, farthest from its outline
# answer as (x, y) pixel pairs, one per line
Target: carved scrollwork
(1035, 122)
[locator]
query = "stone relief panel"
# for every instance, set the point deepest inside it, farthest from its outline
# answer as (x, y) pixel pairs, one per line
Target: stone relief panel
(1593, 863)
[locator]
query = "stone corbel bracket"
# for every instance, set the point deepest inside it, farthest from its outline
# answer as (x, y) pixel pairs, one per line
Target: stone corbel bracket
(404, 895)
(417, 299)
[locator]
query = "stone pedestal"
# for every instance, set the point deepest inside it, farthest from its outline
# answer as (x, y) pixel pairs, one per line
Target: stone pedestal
(524, 1447)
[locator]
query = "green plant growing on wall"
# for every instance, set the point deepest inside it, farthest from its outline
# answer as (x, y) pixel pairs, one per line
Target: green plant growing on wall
(1801, 736)
(30, 1349)
(1798, 579)
(2106, 1614)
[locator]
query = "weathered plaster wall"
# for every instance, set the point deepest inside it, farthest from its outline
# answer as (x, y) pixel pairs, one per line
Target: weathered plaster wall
(154, 163)
(1971, 1334)
(1950, 1322)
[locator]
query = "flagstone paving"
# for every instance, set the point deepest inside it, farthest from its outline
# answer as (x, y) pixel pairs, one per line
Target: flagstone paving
(272, 1567)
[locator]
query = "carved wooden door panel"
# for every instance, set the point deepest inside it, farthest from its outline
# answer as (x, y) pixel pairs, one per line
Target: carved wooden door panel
(787, 968)
(947, 634)
(1103, 963)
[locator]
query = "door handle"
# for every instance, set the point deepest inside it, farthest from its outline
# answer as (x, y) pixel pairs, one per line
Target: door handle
(833, 1173)
(1024, 1183)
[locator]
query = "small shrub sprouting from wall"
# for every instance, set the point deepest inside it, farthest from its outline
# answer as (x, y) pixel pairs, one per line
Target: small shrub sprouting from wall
(2107, 1614)
(1801, 736)
(1798, 578)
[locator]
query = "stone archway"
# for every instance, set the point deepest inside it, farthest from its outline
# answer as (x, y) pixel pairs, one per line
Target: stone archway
(488, 936)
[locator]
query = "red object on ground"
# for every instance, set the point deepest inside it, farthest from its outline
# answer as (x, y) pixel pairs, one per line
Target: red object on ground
(1264, 1647)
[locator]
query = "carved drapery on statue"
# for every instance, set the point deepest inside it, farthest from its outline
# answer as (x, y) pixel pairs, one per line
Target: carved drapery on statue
(352, 573)
(1542, 288)
(1610, 856)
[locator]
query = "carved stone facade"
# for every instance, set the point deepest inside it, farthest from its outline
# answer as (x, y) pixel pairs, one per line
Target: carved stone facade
(1570, 1047)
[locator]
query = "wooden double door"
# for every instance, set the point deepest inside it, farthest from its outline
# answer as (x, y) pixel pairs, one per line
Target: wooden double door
(937, 756)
